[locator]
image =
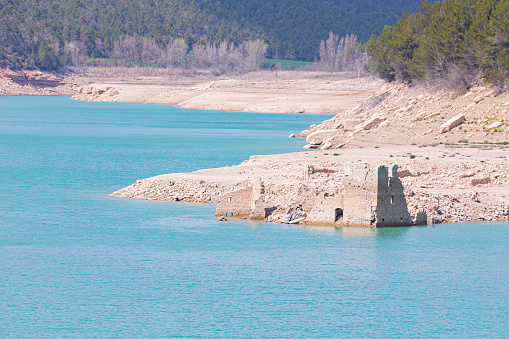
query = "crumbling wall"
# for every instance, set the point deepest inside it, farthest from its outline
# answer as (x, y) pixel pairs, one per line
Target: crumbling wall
(258, 201)
(361, 186)
(246, 202)
(238, 203)
(327, 211)
(374, 198)
(391, 206)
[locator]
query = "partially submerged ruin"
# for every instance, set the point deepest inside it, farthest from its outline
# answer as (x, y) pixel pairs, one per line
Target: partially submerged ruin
(373, 197)
(248, 202)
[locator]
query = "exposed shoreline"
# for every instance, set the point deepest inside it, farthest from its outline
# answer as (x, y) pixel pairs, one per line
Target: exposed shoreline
(292, 94)
(451, 190)
(460, 176)
(453, 174)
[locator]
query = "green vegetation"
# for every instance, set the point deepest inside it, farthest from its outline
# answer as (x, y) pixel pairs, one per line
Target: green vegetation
(453, 39)
(47, 34)
(286, 64)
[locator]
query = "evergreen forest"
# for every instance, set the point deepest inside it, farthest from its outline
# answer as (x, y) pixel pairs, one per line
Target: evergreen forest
(49, 34)
(456, 40)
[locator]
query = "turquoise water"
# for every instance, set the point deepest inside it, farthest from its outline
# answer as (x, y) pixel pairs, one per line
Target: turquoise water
(76, 263)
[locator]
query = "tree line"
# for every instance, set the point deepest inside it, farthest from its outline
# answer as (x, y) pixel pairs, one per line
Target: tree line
(34, 33)
(454, 39)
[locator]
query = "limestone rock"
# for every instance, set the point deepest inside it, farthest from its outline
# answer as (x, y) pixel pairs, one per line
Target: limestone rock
(451, 123)
(318, 137)
(482, 181)
(496, 124)
(326, 146)
(349, 124)
(371, 123)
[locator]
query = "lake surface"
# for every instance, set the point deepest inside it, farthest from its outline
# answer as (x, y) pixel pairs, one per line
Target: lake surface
(76, 263)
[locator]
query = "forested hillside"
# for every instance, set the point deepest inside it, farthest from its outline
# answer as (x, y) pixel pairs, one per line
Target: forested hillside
(455, 40)
(34, 33)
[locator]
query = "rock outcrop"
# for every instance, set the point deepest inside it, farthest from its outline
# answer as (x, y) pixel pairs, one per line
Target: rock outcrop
(401, 115)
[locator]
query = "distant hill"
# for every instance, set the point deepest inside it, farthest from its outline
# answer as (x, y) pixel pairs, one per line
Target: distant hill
(33, 32)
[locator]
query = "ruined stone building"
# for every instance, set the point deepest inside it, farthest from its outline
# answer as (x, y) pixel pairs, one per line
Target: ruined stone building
(246, 202)
(373, 197)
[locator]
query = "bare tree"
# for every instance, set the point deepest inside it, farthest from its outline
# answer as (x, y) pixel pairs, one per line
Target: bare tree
(345, 54)
(328, 52)
(254, 54)
(149, 51)
(76, 53)
(175, 54)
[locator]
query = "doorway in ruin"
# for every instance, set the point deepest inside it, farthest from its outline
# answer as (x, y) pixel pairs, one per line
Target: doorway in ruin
(338, 214)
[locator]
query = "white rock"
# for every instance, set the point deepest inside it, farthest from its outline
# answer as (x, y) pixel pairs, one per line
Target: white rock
(291, 136)
(349, 124)
(496, 124)
(326, 145)
(318, 137)
(489, 93)
(371, 123)
(451, 123)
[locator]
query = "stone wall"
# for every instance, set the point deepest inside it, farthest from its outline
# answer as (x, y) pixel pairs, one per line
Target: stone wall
(361, 186)
(248, 202)
(391, 205)
(238, 203)
(327, 211)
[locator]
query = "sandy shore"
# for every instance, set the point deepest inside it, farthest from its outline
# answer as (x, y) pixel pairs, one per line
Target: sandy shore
(311, 95)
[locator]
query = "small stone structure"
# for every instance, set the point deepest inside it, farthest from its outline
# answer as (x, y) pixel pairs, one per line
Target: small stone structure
(372, 198)
(246, 202)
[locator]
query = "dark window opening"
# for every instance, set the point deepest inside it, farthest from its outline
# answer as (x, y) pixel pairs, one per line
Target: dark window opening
(339, 214)
(392, 199)
(229, 199)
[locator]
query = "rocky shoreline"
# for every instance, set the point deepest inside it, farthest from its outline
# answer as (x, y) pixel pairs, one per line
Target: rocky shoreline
(422, 114)
(35, 83)
(449, 190)
(451, 149)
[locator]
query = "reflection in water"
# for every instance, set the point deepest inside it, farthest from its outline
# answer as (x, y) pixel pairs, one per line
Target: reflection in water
(362, 231)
